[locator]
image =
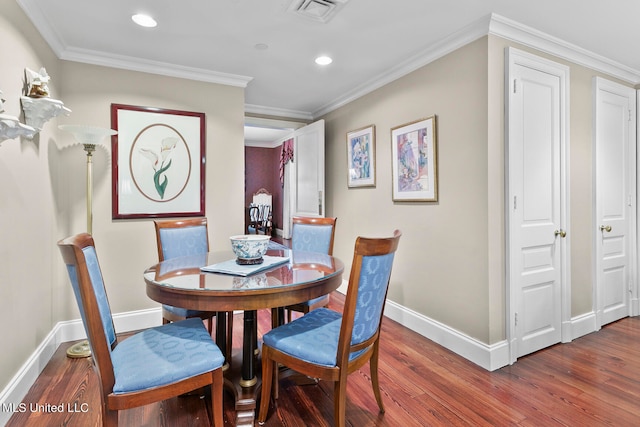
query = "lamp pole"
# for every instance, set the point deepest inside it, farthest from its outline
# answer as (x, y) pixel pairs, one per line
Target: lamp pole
(89, 137)
(89, 148)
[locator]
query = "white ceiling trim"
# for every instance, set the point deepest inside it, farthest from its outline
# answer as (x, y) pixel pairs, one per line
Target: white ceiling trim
(42, 25)
(154, 67)
(277, 112)
(460, 38)
(492, 24)
(514, 31)
(125, 62)
(499, 26)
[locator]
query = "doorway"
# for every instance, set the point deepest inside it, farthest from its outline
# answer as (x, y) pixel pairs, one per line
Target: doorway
(299, 188)
(261, 155)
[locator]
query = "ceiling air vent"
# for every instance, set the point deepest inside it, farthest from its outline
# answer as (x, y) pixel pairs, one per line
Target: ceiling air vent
(317, 10)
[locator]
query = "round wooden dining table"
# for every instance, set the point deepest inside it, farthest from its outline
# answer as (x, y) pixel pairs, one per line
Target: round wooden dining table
(287, 277)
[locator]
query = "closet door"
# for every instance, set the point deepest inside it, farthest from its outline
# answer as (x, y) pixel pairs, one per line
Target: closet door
(536, 201)
(615, 194)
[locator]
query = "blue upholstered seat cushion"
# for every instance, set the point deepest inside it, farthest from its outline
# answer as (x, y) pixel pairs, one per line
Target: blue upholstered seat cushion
(183, 312)
(312, 337)
(163, 355)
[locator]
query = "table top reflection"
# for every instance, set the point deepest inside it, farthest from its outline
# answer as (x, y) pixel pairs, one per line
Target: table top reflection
(181, 282)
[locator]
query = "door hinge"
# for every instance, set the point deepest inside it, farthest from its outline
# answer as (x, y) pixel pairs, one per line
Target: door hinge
(515, 85)
(515, 320)
(515, 202)
(629, 114)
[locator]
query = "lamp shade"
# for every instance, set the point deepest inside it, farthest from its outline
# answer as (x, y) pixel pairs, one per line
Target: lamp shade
(87, 135)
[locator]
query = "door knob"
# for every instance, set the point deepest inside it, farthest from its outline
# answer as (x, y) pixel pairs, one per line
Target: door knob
(560, 233)
(606, 228)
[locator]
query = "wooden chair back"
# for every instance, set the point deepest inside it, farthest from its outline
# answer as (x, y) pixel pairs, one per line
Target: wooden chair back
(79, 255)
(366, 295)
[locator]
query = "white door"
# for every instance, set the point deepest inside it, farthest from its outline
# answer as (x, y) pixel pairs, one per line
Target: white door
(304, 178)
(536, 203)
(615, 170)
(308, 170)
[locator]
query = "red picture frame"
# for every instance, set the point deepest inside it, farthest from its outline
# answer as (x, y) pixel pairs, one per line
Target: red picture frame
(158, 162)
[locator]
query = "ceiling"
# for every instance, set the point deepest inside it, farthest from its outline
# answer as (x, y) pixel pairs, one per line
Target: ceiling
(270, 50)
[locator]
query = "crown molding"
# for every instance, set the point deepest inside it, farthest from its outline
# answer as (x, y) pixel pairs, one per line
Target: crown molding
(154, 67)
(499, 26)
(262, 110)
(491, 24)
(530, 37)
(124, 62)
(41, 24)
(455, 41)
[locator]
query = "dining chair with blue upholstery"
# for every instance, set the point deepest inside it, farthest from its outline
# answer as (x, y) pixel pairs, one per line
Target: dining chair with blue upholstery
(183, 237)
(149, 366)
(312, 234)
(327, 345)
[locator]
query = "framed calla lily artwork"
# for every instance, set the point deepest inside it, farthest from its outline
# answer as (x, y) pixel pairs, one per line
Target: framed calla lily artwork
(158, 158)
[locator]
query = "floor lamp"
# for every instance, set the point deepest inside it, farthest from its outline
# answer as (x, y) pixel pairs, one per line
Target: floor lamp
(89, 137)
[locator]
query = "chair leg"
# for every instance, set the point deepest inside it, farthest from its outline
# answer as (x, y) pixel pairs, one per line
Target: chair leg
(210, 325)
(373, 364)
(216, 398)
(340, 401)
(109, 417)
(275, 381)
(267, 378)
(229, 335)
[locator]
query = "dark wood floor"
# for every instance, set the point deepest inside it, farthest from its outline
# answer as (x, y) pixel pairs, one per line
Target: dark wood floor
(593, 381)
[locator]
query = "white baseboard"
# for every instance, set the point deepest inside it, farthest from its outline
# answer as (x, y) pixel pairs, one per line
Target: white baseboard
(62, 332)
(583, 325)
(489, 357)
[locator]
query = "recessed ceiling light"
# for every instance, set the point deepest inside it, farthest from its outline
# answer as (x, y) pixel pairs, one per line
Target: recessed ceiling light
(323, 60)
(144, 20)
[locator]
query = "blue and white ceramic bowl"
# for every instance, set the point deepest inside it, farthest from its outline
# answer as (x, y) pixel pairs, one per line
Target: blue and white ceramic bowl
(250, 246)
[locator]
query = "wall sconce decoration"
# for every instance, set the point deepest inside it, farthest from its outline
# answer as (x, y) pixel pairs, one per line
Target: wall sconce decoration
(10, 126)
(38, 107)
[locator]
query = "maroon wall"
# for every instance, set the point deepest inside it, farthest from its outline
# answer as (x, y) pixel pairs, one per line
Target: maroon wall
(262, 170)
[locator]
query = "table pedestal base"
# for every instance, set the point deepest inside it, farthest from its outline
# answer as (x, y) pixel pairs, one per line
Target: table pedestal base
(242, 378)
(245, 398)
